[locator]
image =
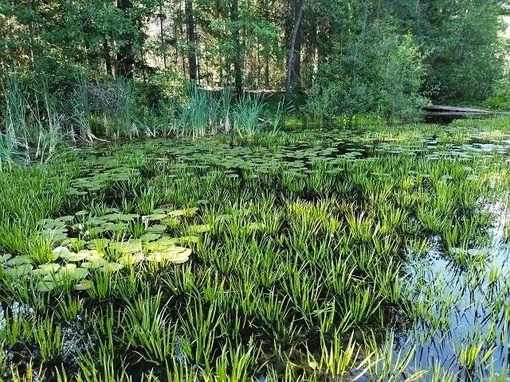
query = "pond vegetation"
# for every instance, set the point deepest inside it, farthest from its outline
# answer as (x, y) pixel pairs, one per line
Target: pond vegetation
(368, 254)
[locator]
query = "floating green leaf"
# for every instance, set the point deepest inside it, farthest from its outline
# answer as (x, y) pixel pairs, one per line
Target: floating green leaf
(84, 285)
(131, 259)
(112, 267)
(175, 255)
(18, 260)
(188, 212)
(19, 270)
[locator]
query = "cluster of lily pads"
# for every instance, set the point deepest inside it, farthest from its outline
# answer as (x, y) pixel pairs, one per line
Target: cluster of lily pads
(320, 255)
(142, 239)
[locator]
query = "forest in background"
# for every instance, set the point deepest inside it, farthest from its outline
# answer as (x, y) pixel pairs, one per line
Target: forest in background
(334, 57)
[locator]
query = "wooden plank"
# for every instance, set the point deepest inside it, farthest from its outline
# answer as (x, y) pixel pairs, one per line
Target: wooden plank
(455, 109)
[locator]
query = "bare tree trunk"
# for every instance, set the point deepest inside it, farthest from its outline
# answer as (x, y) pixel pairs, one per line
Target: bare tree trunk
(162, 18)
(237, 57)
(107, 57)
(31, 7)
(292, 83)
(192, 40)
(125, 56)
(267, 55)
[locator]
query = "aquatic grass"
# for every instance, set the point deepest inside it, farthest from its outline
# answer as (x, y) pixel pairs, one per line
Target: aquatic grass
(384, 364)
(361, 303)
(30, 374)
(101, 366)
(304, 292)
(246, 115)
(70, 308)
(193, 119)
(199, 326)
(39, 249)
(275, 261)
(16, 329)
(468, 356)
(180, 281)
(151, 334)
(434, 221)
(13, 236)
(337, 360)
(50, 339)
(273, 310)
(235, 363)
(124, 125)
(363, 226)
(101, 285)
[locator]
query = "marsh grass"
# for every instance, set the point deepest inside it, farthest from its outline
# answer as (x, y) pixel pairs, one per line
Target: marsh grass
(34, 128)
(307, 263)
(247, 113)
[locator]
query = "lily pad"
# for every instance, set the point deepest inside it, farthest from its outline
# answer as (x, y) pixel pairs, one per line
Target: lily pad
(157, 228)
(18, 260)
(62, 251)
(84, 285)
(165, 241)
(46, 285)
(45, 269)
(157, 217)
(82, 255)
(150, 237)
(175, 255)
(132, 258)
(112, 267)
(128, 217)
(56, 234)
(188, 212)
(19, 270)
(94, 262)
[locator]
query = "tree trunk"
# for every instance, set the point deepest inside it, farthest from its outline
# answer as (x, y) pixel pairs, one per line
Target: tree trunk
(31, 7)
(192, 40)
(107, 57)
(125, 55)
(293, 81)
(237, 57)
(162, 18)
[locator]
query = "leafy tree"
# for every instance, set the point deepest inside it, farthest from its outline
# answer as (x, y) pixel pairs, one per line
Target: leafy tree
(463, 52)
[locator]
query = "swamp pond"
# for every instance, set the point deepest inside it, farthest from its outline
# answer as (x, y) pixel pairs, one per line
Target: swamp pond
(371, 254)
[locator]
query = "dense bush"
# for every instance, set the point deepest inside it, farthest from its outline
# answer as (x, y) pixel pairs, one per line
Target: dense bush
(379, 73)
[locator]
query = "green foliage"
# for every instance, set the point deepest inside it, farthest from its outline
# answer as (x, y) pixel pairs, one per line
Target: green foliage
(500, 99)
(380, 73)
(377, 58)
(465, 54)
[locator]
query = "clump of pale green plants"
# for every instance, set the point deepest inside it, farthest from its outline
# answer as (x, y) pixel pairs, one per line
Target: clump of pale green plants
(34, 129)
(203, 113)
(247, 114)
